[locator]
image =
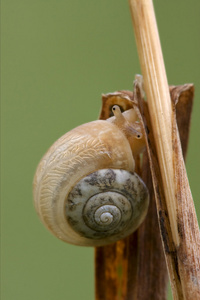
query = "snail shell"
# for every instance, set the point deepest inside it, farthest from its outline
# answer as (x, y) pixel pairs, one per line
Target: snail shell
(85, 189)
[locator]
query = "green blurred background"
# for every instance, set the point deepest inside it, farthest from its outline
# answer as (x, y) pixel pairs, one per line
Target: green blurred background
(58, 57)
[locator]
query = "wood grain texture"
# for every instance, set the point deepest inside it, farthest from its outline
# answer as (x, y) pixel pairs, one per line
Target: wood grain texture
(183, 260)
(135, 267)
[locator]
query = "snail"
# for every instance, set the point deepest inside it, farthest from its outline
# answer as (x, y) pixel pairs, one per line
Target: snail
(85, 189)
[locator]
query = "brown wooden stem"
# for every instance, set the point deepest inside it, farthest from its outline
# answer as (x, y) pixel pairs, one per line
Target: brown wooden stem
(134, 268)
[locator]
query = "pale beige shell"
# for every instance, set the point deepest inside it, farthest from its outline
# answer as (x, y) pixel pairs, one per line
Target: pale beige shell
(88, 148)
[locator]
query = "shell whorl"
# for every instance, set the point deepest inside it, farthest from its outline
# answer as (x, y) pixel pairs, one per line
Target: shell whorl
(110, 204)
(80, 152)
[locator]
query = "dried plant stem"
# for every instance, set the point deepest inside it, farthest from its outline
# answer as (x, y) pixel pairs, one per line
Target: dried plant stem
(157, 91)
(178, 222)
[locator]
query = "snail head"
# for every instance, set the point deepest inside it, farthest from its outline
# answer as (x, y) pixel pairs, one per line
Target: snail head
(132, 130)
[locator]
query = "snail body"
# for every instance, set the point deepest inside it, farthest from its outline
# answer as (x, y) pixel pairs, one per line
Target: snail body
(85, 189)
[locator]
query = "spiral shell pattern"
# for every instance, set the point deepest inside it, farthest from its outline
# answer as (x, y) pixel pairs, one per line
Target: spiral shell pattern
(110, 204)
(67, 186)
